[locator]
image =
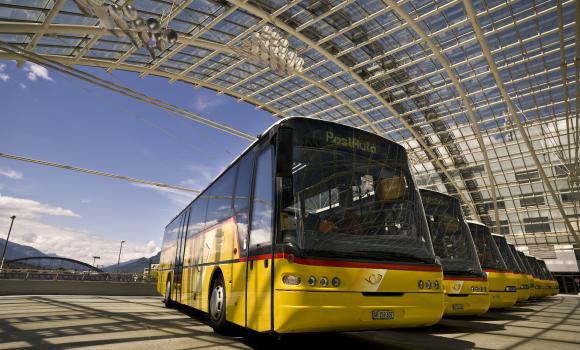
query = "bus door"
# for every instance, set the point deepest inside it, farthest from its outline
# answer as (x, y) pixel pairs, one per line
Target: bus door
(260, 263)
(178, 270)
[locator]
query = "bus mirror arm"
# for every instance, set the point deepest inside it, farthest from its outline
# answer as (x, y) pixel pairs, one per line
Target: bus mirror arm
(284, 152)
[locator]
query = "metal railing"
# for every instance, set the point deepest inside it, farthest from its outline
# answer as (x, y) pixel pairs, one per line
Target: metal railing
(59, 275)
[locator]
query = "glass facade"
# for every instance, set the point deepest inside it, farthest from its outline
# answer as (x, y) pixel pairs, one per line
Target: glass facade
(365, 65)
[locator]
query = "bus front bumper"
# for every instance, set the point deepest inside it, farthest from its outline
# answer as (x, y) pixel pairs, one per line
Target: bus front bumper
(309, 311)
(523, 294)
(502, 300)
(471, 304)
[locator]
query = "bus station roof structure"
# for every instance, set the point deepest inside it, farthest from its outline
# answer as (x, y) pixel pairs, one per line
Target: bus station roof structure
(483, 93)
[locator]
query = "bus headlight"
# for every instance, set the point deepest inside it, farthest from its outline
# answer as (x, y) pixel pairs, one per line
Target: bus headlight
(311, 281)
(428, 284)
(436, 284)
(291, 280)
(510, 289)
(420, 284)
(324, 281)
(336, 282)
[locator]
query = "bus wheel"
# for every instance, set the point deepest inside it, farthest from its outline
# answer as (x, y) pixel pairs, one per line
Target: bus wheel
(217, 304)
(167, 300)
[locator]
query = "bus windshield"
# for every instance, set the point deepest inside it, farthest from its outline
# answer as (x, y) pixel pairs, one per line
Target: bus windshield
(521, 265)
(524, 261)
(351, 195)
(450, 234)
(487, 251)
(506, 253)
(533, 266)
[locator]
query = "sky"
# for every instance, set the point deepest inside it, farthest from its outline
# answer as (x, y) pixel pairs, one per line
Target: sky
(54, 117)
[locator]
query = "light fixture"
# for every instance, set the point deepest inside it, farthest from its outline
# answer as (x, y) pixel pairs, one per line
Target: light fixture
(270, 48)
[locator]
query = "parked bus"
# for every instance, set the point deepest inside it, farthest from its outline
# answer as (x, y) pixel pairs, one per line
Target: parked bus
(552, 284)
(523, 289)
(541, 280)
(502, 283)
(317, 226)
(537, 292)
(529, 279)
(464, 282)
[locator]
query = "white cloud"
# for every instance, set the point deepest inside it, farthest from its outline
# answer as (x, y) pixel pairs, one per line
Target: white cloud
(86, 201)
(10, 173)
(36, 71)
(22, 85)
(63, 241)
(3, 76)
(204, 101)
(28, 208)
(74, 244)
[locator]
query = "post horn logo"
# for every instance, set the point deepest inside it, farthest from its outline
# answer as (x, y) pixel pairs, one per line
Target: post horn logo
(374, 278)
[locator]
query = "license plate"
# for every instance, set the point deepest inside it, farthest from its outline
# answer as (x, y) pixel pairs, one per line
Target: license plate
(383, 315)
(457, 306)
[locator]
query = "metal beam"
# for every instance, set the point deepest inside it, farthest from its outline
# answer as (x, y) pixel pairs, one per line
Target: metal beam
(128, 67)
(330, 57)
(511, 110)
(459, 88)
(47, 21)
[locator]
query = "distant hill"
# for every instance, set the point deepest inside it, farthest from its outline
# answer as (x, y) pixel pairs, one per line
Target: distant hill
(17, 251)
(135, 265)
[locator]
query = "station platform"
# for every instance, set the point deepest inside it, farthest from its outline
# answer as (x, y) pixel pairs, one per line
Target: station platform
(104, 322)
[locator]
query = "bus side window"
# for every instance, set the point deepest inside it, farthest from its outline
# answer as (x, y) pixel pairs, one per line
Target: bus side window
(242, 197)
(260, 235)
(220, 194)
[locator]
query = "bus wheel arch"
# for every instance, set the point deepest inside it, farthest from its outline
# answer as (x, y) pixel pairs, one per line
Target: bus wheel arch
(217, 301)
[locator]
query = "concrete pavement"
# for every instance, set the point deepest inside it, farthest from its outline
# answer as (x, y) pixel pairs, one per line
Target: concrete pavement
(104, 322)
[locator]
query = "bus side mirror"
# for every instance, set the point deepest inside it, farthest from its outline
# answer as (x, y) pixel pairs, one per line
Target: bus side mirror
(284, 152)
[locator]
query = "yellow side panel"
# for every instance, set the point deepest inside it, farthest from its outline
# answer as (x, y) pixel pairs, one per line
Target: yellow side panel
(207, 251)
(259, 295)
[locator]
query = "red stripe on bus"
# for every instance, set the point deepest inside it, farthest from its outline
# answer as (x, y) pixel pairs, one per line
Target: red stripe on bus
(449, 278)
(339, 263)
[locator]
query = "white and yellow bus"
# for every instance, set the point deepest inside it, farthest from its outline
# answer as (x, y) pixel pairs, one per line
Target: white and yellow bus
(523, 289)
(464, 282)
(523, 271)
(502, 282)
(317, 226)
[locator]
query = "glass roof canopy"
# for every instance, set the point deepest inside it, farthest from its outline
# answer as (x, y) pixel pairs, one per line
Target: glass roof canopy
(483, 94)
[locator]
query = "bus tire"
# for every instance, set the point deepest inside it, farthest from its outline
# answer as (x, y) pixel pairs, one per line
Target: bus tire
(167, 298)
(217, 304)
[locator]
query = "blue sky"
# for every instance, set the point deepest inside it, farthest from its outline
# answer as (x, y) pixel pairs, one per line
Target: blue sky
(50, 116)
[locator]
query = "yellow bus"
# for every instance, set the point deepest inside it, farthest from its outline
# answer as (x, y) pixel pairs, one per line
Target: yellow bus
(523, 289)
(541, 287)
(317, 226)
(502, 283)
(551, 283)
(535, 287)
(464, 282)
(522, 269)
